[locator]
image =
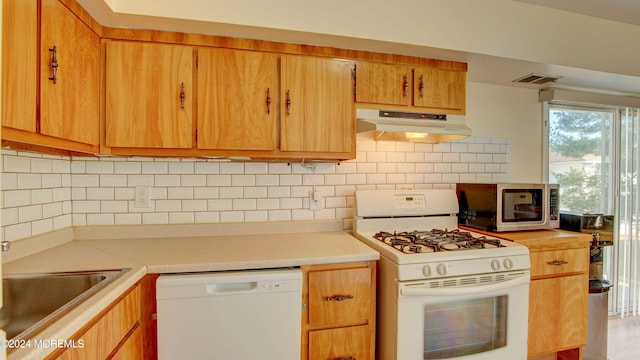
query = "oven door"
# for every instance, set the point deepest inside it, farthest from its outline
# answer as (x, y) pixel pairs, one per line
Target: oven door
(473, 317)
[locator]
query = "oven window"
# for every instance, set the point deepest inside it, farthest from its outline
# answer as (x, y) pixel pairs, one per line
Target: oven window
(522, 205)
(465, 327)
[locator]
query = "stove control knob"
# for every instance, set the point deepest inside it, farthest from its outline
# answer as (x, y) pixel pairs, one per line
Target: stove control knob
(495, 264)
(426, 270)
(508, 264)
(441, 269)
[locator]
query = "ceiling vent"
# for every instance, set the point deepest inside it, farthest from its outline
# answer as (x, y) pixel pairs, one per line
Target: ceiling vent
(536, 79)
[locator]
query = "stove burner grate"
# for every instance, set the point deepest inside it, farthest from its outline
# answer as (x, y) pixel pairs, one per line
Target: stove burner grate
(435, 240)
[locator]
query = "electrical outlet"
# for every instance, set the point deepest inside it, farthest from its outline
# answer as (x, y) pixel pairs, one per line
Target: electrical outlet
(316, 202)
(142, 196)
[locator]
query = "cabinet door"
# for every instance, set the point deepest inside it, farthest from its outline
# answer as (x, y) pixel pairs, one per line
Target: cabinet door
(439, 90)
(70, 105)
(341, 343)
(19, 46)
(237, 106)
(109, 332)
(383, 84)
(317, 108)
(149, 95)
(558, 313)
(339, 296)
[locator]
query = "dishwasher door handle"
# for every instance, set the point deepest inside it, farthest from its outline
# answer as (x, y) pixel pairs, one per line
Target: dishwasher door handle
(226, 288)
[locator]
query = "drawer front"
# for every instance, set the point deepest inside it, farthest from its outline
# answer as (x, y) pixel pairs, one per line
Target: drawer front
(339, 296)
(342, 343)
(559, 262)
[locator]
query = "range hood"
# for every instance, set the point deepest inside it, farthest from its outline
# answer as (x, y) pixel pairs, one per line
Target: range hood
(410, 126)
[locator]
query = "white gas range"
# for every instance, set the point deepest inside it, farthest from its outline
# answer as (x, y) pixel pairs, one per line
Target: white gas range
(444, 293)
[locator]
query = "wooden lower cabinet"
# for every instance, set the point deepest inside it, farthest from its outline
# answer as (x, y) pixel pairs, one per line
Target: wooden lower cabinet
(110, 332)
(342, 343)
(338, 318)
(557, 313)
(558, 293)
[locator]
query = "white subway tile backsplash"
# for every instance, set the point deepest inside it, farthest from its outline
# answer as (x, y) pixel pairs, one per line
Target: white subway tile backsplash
(46, 192)
(140, 180)
(231, 216)
(281, 215)
(206, 168)
(267, 204)
(155, 218)
(128, 219)
(207, 217)
(10, 216)
(81, 181)
(255, 192)
(61, 222)
(194, 205)
(14, 198)
(181, 167)
(29, 181)
(99, 167)
(103, 193)
(181, 218)
(219, 204)
(218, 180)
(243, 180)
(244, 204)
(180, 193)
(29, 213)
(100, 219)
(126, 167)
(231, 168)
(155, 167)
(279, 168)
(205, 193)
(16, 164)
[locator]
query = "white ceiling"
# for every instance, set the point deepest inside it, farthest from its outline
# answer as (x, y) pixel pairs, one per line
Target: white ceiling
(626, 11)
(482, 68)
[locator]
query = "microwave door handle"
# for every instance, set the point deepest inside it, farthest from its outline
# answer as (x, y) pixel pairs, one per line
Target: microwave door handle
(465, 290)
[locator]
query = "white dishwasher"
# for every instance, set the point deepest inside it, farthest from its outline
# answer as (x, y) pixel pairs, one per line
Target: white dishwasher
(230, 315)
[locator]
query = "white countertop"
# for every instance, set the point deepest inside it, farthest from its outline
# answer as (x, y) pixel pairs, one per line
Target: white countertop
(169, 249)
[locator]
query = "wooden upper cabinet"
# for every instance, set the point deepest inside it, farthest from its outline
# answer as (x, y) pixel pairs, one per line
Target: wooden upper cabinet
(316, 105)
(19, 63)
(69, 107)
(70, 104)
(149, 95)
(238, 99)
(439, 90)
(383, 83)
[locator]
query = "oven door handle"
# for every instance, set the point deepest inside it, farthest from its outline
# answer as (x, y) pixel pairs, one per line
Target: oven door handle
(409, 290)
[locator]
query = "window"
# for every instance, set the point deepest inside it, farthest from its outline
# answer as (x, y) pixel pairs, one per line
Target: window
(593, 154)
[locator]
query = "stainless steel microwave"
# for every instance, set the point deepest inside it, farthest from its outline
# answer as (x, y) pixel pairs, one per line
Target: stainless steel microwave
(508, 207)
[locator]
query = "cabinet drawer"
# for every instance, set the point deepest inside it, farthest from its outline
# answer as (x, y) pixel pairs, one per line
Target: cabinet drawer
(559, 262)
(339, 296)
(342, 343)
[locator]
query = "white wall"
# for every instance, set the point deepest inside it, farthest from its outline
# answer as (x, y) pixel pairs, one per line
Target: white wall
(513, 113)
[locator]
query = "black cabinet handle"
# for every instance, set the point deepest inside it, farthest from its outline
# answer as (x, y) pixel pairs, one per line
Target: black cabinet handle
(182, 96)
(54, 64)
(268, 101)
(338, 298)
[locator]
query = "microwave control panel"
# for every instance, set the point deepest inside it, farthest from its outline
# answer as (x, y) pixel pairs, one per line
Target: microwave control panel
(410, 201)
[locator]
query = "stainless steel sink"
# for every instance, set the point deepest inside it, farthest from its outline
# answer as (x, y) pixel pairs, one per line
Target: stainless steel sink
(33, 301)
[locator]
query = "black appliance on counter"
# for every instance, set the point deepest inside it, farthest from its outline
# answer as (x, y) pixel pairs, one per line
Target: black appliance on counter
(601, 227)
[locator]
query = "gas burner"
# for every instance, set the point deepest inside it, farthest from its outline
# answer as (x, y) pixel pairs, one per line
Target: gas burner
(435, 240)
